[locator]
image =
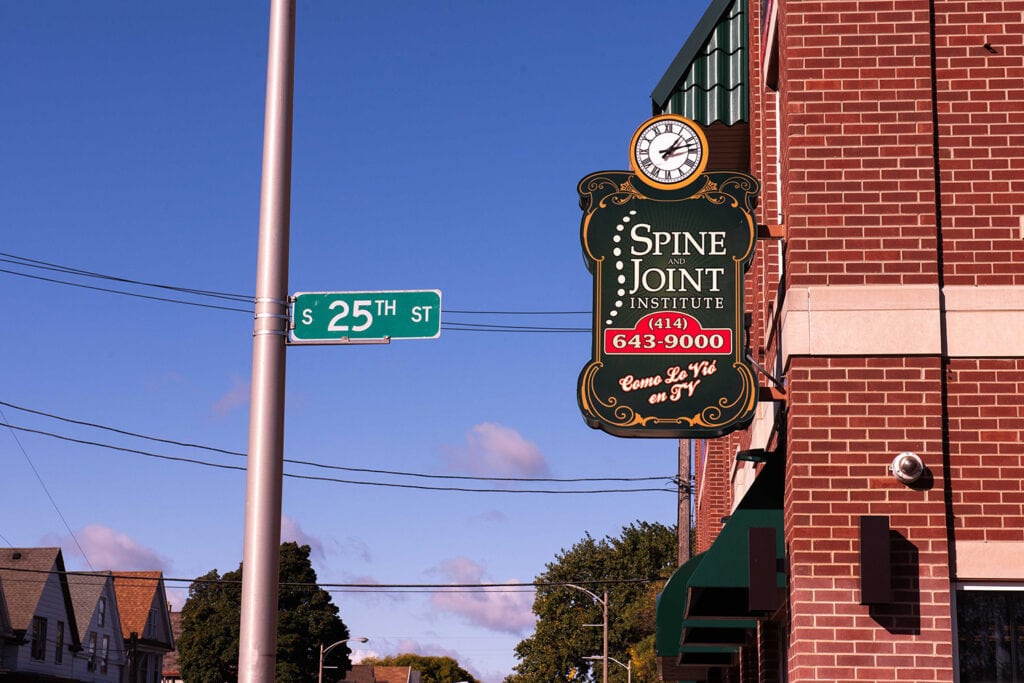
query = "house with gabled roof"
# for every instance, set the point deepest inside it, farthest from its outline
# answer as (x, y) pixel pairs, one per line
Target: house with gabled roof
(172, 667)
(145, 623)
(103, 658)
(43, 634)
(375, 673)
(5, 617)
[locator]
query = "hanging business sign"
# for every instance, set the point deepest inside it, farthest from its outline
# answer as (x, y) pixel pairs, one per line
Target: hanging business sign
(668, 246)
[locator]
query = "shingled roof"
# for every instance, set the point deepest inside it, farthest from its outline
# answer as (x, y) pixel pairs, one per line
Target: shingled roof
(24, 575)
(86, 590)
(137, 594)
(5, 616)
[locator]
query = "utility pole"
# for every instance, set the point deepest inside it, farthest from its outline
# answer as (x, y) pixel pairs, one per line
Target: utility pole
(683, 524)
(257, 649)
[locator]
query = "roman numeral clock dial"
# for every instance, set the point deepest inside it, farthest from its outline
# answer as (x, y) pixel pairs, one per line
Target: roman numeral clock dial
(668, 151)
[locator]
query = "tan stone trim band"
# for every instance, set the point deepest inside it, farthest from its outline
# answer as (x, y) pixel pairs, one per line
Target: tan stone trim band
(989, 561)
(872, 320)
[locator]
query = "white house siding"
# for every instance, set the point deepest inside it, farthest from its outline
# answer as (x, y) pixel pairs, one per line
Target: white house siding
(52, 607)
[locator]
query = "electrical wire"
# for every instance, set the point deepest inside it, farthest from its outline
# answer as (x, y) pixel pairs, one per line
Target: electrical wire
(206, 463)
(46, 490)
(517, 586)
(46, 265)
(311, 463)
(455, 326)
(131, 294)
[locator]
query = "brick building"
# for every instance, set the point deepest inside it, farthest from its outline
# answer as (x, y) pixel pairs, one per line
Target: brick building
(887, 301)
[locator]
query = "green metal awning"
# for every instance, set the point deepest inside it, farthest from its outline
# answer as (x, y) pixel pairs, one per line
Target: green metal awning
(670, 608)
(708, 80)
(703, 614)
(718, 588)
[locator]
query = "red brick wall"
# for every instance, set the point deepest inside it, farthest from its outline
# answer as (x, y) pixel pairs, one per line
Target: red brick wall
(847, 419)
(858, 171)
(896, 168)
(980, 93)
(713, 491)
(762, 284)
(986, 448)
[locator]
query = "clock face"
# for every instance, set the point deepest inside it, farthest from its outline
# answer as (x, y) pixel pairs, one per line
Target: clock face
(668, 151)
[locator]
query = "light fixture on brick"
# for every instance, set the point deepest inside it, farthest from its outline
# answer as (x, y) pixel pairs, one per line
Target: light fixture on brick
(907, 467)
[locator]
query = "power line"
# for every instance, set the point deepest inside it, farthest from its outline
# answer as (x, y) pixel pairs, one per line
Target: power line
(311, 463)
(206, 463)
(458, 326)
(519, 586)
(45, 265)
(123, 293)
(53, 502)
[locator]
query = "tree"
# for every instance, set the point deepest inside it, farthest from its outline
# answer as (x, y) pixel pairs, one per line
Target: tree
(569, 621)
(432, 669)
(306, 618)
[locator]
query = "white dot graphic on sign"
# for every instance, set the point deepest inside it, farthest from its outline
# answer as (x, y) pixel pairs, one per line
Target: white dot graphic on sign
(619, 265)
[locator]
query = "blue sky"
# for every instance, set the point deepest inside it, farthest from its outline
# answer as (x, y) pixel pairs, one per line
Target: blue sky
(436, 146)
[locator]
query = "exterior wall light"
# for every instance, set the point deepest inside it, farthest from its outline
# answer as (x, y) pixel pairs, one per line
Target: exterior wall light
(907, 467)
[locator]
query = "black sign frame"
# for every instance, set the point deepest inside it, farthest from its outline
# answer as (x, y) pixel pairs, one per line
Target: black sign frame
(670, 351)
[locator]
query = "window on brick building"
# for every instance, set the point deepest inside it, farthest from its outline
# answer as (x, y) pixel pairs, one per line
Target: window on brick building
(990, 634)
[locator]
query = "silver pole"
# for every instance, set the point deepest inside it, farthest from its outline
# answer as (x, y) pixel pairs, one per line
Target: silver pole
(257, 650)
(605, 663)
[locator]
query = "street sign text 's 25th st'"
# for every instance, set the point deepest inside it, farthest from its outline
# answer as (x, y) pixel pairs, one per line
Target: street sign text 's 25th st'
(669, 354)
(345, 317)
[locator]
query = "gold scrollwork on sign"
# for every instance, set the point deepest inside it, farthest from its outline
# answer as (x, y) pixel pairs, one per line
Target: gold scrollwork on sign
(720, 413)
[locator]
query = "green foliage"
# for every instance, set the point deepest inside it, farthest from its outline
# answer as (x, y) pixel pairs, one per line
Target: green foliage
(563, 639)
(306, 618)
(432, 669)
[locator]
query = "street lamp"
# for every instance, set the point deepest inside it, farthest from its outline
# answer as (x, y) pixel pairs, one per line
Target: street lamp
(628, 666)
(604, 607)
(325, 650)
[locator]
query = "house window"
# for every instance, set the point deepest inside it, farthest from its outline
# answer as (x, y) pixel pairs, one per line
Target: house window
(91, 664)
(990, 634)
(142, 676)
(102, 609)
(58, 655)
(39, 638)
(104, 653)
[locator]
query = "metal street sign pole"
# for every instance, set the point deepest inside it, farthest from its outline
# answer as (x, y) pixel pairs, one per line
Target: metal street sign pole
(257, 650)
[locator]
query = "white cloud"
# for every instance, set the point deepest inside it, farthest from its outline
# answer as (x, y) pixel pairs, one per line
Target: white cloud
(370, 595)
(495, 450)
(106, 548)
(237, 395)
(358, 656)
(505, 610)
(291, 531)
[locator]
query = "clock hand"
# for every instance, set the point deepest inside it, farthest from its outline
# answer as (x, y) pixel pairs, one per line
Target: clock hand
(676, 148)
(677, 151)
(666, 153)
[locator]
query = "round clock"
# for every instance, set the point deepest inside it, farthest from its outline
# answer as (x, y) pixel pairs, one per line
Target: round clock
(668, 151)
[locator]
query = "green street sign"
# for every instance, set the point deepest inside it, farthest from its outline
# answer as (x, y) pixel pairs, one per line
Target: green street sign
(354, 317)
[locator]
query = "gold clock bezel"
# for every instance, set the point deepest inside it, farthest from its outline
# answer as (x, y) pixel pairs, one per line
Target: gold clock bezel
(654, 121)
